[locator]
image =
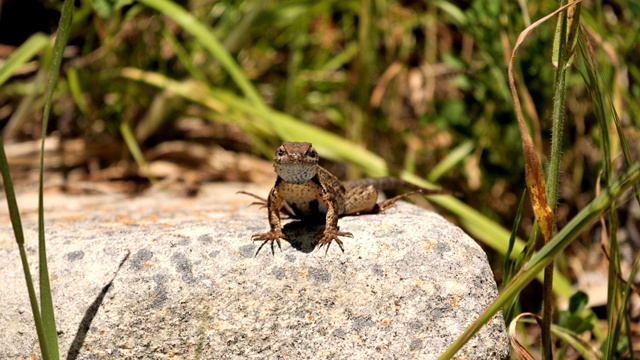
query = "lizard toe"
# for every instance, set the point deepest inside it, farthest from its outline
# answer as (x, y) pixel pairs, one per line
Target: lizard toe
(328, 236)
(270, 237)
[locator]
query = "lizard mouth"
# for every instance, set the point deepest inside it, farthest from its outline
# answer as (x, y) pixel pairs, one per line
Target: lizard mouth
(295, 173)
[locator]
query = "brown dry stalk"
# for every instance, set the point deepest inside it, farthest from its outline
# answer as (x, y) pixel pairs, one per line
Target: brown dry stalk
(624, 281)
(518, 348)
(533, 168)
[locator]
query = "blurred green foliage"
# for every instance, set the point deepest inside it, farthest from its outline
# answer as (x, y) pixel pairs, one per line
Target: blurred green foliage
(437, 73)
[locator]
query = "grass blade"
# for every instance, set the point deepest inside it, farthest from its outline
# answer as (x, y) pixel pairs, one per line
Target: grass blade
(135, 151)
(206, 38)
(46, 301)
(508, 265)
(454, 157)
(24, 53)
(625, 300)
(559, 108)
(16, 223)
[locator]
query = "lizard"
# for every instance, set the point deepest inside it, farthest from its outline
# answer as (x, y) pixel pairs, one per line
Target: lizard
(307, 191)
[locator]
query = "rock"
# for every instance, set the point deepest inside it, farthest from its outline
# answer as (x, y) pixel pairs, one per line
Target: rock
(160, 276)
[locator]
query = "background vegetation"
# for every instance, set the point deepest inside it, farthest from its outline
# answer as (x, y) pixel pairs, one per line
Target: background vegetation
(180, 92)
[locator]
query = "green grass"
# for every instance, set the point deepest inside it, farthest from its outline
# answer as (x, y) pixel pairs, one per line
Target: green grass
(43, 312)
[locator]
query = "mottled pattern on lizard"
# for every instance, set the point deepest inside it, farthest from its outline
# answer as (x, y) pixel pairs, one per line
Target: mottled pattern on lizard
(307, 191)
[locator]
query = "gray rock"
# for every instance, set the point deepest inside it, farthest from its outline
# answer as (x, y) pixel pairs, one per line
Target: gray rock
(166, 277)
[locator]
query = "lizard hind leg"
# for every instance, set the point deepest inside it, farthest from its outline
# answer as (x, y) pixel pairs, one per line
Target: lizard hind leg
(389, 202)
(360, 199)
(363, 199)
(261, 201)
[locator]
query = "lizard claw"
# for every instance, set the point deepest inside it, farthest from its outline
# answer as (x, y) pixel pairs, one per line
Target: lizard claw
(271, 236)
(332, 235)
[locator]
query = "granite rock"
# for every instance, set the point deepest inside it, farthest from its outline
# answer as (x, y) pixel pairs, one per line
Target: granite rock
(160, 276)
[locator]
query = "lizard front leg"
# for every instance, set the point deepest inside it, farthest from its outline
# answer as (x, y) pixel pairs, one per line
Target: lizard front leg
(274, 203)
(331, 232)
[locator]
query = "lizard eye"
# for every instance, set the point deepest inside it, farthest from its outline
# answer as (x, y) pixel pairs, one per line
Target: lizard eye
(280, 152)
(313, 153)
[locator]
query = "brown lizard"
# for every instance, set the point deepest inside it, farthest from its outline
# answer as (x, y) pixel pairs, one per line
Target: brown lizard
(306, 191)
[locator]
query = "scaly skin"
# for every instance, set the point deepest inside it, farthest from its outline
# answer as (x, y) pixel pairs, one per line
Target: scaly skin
(307, 191)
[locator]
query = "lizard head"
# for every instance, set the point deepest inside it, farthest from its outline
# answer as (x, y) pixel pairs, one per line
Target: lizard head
(296, 162)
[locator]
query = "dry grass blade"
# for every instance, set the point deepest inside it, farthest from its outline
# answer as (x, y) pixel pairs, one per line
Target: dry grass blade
(533, 168)
(518, 348)
(534, 175)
